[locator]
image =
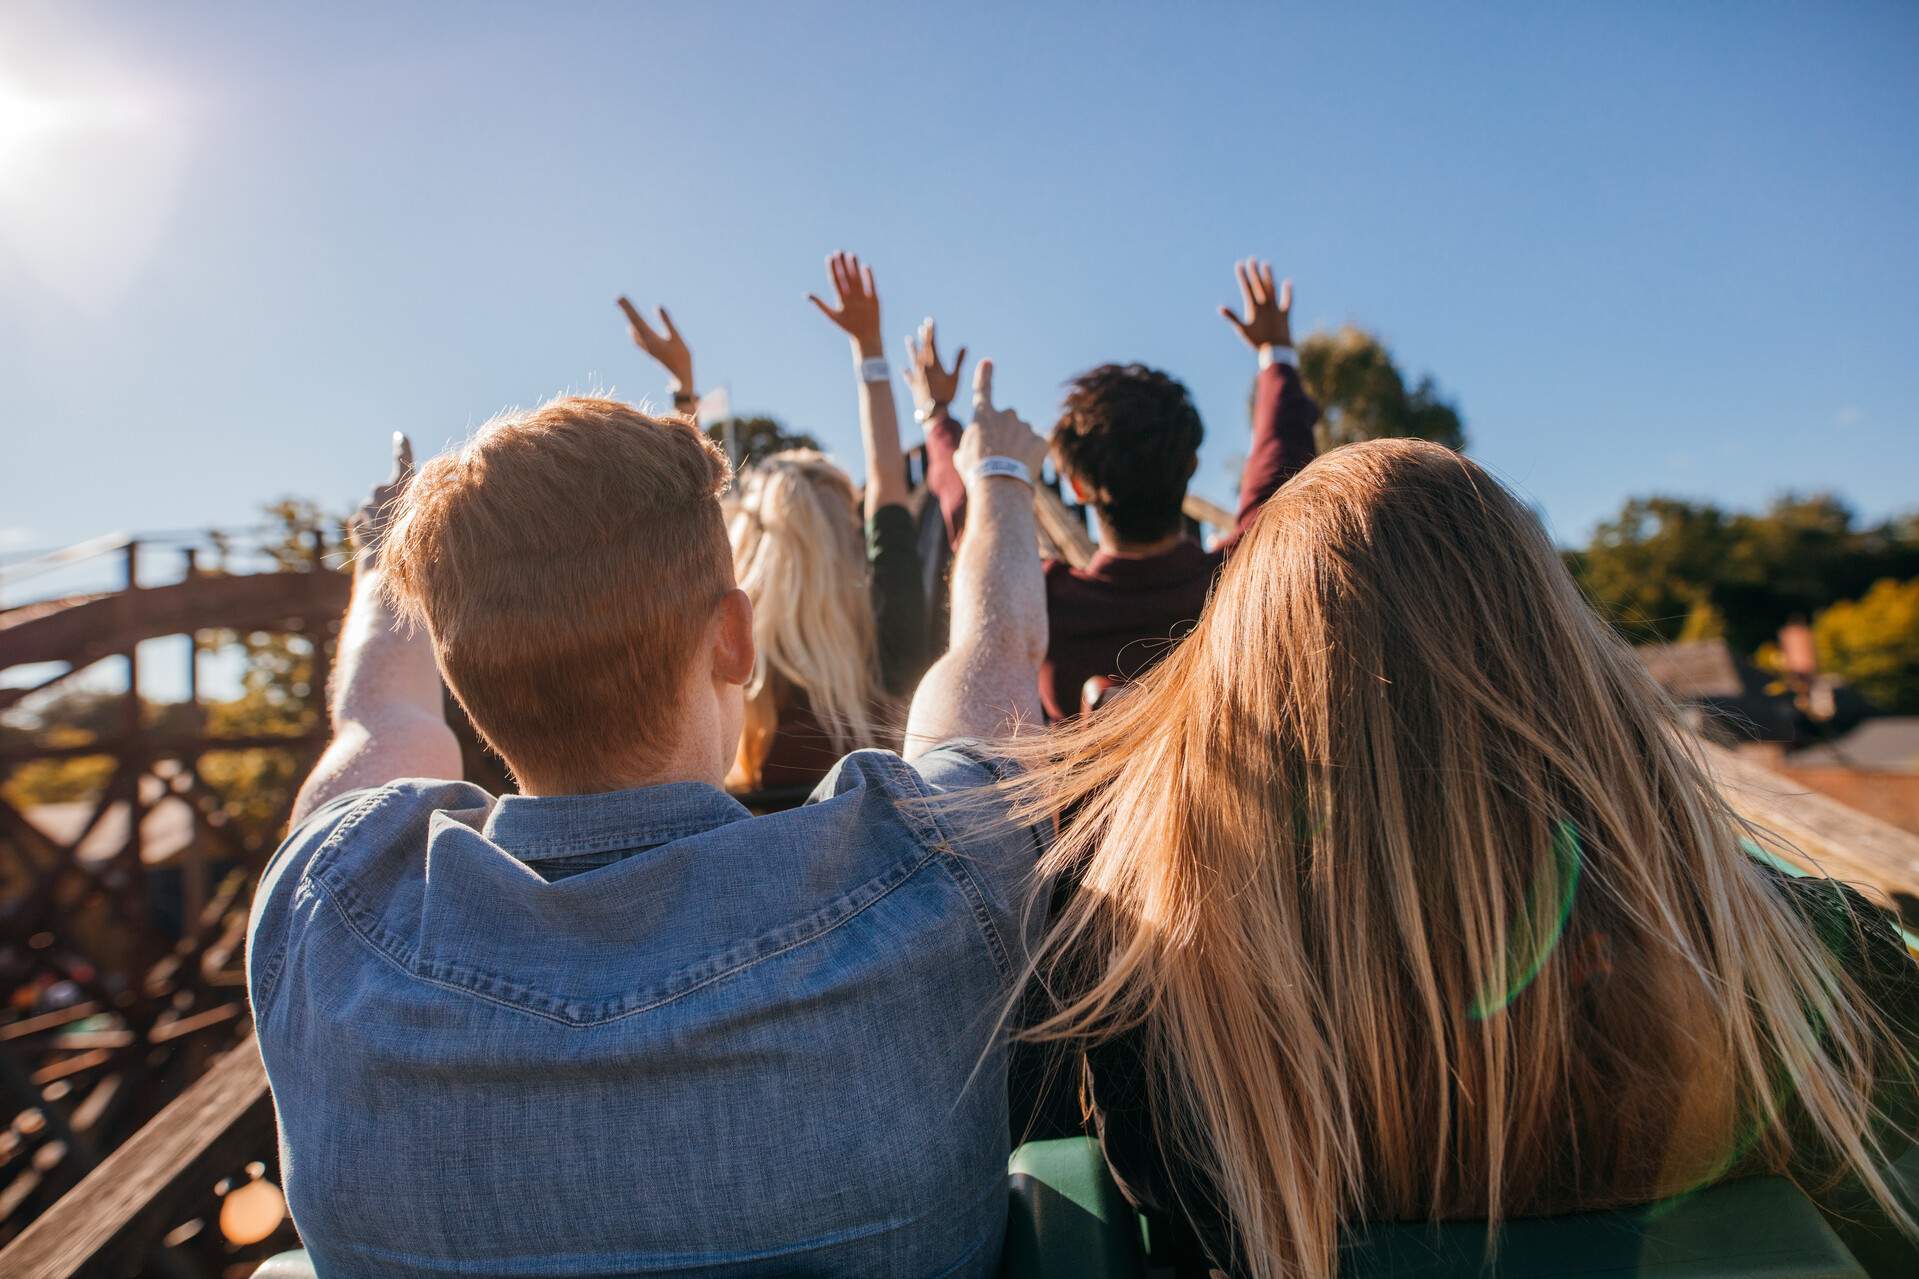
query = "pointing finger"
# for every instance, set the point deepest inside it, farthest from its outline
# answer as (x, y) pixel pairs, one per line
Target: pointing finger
(667, 322)
(983, 387)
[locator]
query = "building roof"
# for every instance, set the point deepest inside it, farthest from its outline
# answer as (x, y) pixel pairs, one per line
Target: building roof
(1698, 670)
(1889, 744)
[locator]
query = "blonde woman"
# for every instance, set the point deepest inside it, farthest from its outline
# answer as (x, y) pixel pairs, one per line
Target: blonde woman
(1396, 892)
(838, 615)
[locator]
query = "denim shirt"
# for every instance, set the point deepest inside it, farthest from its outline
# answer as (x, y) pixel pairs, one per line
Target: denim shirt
(645, 1032)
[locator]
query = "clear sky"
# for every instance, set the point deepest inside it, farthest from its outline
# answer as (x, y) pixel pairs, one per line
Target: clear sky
(1645, 247)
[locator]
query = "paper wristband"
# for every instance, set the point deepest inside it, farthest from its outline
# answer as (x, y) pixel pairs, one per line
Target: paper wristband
(875, 370)
(1009, 466)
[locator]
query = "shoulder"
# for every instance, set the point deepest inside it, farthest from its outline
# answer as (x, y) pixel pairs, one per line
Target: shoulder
(368, 825)
(359, 823)
(1865, 941)
(951, 797)
(960, 765)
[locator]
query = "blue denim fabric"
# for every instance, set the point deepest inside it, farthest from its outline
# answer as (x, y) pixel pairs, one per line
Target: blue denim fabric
(645, 1032)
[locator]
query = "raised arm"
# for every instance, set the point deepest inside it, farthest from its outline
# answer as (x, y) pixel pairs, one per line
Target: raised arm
(987, 683)
(388, 717)
(1283, 413)
(667, 347)
(858, 316)
(933, 387)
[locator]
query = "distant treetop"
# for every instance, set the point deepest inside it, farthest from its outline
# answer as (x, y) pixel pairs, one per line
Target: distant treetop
(1365, 397)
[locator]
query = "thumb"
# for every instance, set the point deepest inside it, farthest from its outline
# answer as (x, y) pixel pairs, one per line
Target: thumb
(1233, 320)
(983, 386)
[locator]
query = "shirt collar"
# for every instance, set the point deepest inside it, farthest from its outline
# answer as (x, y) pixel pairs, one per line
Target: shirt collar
(535, 827)
(1174, 564)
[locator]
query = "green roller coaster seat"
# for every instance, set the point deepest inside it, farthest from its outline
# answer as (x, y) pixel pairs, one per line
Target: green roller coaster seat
(1065, 1216)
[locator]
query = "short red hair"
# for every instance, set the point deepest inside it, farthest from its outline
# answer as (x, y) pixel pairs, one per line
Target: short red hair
(566, 562)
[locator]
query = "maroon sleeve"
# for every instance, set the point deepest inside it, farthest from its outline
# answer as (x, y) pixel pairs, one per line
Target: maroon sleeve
(942, 476)
(1283, 443)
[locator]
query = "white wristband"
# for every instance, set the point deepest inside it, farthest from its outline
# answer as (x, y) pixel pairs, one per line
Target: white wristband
(1271, 355)
(875, 370)
(1011, 467)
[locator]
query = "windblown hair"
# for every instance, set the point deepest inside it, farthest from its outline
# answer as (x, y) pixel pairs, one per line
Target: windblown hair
(566, 562)
(1129, 435)
(1419, 899)
(800, 557)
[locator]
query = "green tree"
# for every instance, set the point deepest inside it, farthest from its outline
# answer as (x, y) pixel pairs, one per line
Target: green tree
(1874, 643)
(1663, 560)
(1651, 566)
(757, 437)
(1364, 395)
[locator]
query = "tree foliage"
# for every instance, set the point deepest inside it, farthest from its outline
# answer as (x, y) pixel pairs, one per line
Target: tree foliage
(1364, 396)
(1668, 567)
(1873, 642)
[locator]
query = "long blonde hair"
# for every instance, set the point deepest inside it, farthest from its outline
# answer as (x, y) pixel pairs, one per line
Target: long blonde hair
(1422, 907)
(799, 555)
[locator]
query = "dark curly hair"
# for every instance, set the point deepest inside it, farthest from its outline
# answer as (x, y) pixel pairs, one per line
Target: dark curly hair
(1129, 435)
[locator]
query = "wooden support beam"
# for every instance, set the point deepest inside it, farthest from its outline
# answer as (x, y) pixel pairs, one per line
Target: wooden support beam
(120, 1208)
(1820, 833)
(1211, 514)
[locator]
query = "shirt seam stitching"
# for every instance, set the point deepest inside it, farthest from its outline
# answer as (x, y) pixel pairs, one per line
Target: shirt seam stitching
(354, 927)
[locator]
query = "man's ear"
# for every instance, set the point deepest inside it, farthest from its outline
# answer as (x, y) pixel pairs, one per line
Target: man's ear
(733, 638)
(1080, 494)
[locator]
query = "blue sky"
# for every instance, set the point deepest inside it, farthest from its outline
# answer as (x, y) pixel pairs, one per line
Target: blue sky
(1645, 247)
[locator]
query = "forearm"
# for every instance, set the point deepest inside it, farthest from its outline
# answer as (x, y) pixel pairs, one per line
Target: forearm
(387, 713)
(986, 685)
(1283, 442)
(880, 435)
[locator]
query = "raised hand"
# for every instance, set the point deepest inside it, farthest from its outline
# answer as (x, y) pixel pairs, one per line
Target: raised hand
(933, 386)
(858, 314)
(664, 344)
(996, 432)
(367, 527)
(1268, 318)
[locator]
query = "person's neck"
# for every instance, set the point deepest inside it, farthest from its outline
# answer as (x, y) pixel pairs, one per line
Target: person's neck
(1110, 543)
(692, 761)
